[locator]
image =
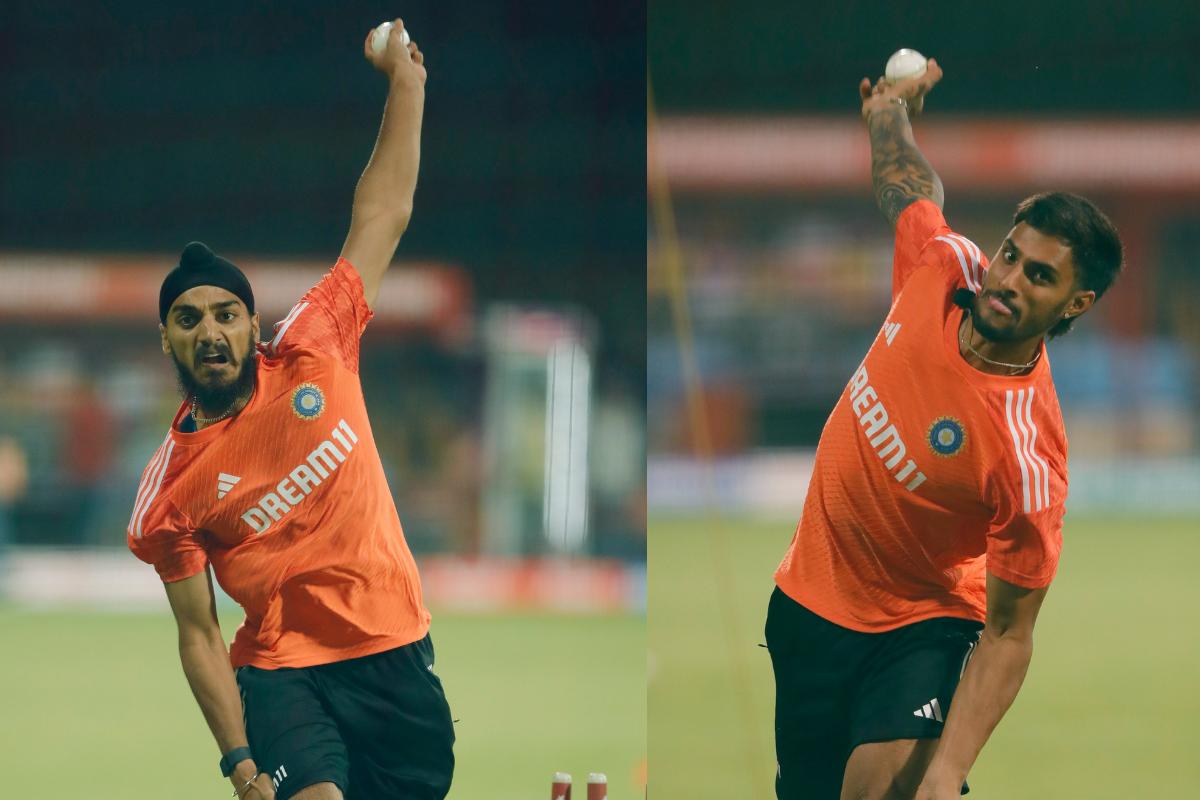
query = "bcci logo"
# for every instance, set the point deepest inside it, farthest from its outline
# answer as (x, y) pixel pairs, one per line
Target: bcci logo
(946, 436)
(307, 401)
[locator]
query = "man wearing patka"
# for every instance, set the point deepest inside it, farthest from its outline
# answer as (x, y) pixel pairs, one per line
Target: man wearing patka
(270, 475)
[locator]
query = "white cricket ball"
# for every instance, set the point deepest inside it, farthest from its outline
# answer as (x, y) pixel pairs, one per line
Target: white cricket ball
(904, 63)
(379, 38)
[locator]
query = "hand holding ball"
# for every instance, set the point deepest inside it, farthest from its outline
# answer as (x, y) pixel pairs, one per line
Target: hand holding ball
(905, 64)
(403, 63)
(379, 38)
(907, 78)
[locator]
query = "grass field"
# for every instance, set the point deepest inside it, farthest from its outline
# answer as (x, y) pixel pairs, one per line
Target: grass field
(96, 706)
(1110, 708)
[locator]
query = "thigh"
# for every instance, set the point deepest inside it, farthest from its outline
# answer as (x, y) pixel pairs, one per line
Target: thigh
(393, 713)
(901, 703)
(906, 690)
(887, 770)
(292, 736)
(812, 659)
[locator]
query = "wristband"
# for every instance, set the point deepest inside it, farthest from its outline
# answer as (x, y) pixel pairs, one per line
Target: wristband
(232, 758)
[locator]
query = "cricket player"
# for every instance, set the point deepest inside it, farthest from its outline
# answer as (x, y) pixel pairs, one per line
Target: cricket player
(901, 626)
(270, 475)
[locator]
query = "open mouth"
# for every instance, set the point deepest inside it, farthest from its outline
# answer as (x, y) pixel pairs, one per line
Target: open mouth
(214, 360)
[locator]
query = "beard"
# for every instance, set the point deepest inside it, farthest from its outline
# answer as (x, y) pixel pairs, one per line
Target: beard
(219, 395)
(985, 329)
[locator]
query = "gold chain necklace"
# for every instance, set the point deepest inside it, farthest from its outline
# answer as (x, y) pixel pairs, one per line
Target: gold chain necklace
(210, 420)
(966, 340)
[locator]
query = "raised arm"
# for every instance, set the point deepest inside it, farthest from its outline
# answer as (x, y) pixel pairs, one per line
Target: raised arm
(206, 664)
(988, 687)
(900, 173)
(383, 200)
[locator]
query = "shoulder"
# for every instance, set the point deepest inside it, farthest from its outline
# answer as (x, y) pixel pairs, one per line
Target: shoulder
(1032, 463)
(162, 535)
(924, 238)
(153, 493)
(920, 221)
(1036, 404)
(922, 230)
(159, 532)
(957, 250)
(330, 317)
(340, 288)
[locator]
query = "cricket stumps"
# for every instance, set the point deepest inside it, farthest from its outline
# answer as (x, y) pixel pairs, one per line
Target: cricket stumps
(597, 786)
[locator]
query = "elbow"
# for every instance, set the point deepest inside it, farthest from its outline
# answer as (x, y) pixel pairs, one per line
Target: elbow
(199, 638)
(398, 216)
(1016, 638)
(393, 216)
(400, 224)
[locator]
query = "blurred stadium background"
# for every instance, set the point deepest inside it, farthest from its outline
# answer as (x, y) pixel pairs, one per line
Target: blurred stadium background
(759, 162)
(510, 333)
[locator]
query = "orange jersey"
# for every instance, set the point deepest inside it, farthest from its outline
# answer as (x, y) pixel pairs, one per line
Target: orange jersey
(288, 501)
(929, 473)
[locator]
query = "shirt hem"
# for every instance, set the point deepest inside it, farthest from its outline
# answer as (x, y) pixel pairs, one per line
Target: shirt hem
(375, 645)
(855, 624)
(177, 575)
(1019, 579)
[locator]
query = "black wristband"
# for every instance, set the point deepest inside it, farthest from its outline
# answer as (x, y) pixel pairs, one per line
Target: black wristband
(233, 758)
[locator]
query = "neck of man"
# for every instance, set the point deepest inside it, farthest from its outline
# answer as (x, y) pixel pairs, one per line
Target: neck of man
(979, 351)
(205, 416)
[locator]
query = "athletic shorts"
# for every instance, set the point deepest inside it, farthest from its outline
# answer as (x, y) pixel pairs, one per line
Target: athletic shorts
(836, 689)
(378, 726)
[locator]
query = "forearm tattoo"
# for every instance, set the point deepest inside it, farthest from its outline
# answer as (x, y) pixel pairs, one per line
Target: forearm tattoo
(900, 173)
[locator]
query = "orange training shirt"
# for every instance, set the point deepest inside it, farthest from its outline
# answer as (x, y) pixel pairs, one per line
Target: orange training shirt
(929, 473)
(288, 501)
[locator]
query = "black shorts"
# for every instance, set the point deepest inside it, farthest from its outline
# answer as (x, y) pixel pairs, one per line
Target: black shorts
(378, 726)
(836, 689)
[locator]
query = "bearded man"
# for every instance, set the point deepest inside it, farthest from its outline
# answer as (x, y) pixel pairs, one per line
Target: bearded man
(269, 475)
(933, 522)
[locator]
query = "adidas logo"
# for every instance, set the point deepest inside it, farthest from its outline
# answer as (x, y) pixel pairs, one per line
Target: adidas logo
(930, 710)
(890, 329)
(225, 482)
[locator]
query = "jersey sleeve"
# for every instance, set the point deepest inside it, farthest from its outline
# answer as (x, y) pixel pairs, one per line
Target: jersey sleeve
(1029, 490)
(330, 317)
(163, 536)
(923, 238)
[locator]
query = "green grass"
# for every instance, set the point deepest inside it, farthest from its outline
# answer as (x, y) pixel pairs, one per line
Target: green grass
(96, 705)
(1110, 708)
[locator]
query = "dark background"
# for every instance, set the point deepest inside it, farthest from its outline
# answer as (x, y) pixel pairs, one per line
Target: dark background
(786, 277)
(1072, 56)
(138, 126)
(774, 359)
(133, 127)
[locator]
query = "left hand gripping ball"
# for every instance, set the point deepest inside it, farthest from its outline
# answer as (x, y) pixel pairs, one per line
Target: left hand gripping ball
(379, 38)
(904, 64)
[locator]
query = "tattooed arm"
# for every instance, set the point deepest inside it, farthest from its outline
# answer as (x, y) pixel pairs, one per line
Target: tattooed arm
(900, 173)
